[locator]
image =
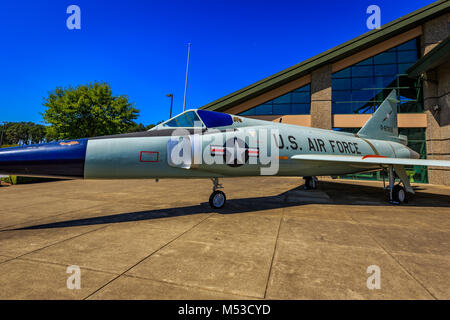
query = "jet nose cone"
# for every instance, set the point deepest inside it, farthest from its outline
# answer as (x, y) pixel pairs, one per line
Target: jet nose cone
(63, 159)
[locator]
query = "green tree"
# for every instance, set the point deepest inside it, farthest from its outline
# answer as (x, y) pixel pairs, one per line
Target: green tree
(86, 111)
(16, 133)
(37, 133)
(140, 127)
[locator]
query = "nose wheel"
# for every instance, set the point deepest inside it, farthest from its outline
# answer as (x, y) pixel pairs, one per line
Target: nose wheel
(217, 199)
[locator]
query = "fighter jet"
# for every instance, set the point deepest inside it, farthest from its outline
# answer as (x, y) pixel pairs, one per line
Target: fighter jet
(212, 145)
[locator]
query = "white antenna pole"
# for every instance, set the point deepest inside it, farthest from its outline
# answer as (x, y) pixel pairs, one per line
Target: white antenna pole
(185, 84)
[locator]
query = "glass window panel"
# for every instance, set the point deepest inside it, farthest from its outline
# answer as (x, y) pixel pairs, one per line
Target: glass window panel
(349, 130)
(282, 109)
(361, 107)
(403, 98)
(365, 62)
(264, 109)
(373, 79)
(413, 133)
(184, 121)
(407, 56)
(342, 95)
(341, 84)
(410, 106)
(301, 108)
(346, 73)
(171, 123)
(363, 95)
(336, 108)
(383, 82)
(408, 94)
(385, 58)
(362, 71)
(410, 45)
(341, 108)
(188, 120)
(366, 108)
(250, 112)
(402, 67)
(283, 99)
(194, 120)
(283, 105)
(306, 88)
(384, 93)
(301, 97)
(385, 69)
(362, 83)
(378, 95)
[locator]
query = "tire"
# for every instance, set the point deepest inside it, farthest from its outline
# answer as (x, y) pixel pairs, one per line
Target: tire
(399, 194)
(217, 200)
(310, 183)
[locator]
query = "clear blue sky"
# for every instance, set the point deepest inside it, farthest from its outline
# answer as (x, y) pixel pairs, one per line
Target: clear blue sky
(140, 47)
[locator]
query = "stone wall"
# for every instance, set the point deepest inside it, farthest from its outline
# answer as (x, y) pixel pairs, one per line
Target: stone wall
(321, 98)
(436, 91)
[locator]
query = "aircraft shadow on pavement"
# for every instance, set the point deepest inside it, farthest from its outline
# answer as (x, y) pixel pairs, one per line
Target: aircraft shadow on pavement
(330, 193)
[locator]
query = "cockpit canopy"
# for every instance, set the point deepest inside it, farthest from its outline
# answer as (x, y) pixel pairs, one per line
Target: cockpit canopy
(187, 119)
(197, 119)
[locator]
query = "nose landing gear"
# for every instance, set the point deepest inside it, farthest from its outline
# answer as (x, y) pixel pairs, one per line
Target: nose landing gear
(217, 199)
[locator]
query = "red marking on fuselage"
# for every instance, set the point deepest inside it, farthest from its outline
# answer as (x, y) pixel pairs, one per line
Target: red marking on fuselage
(149, 152)
(373, 156)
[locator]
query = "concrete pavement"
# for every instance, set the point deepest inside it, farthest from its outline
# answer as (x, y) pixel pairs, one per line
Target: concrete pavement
(147, 240)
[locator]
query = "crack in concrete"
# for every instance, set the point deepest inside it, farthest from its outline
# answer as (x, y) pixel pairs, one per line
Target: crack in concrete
(190, 286)
(146, 257)
(274, 250)
(394, 258)
(53, 244)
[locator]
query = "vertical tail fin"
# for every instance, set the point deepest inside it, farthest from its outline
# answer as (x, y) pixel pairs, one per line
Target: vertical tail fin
(383, 123)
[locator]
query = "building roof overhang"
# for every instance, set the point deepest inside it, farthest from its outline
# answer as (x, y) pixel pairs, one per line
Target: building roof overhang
(437, 56)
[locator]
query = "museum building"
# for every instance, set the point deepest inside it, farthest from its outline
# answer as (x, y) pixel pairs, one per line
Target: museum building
(340, 88)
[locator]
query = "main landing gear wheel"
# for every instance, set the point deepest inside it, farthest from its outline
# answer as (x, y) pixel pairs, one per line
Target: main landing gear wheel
(217, 199)
(310, 183)
(399, 194)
